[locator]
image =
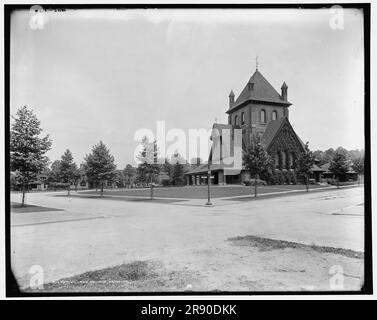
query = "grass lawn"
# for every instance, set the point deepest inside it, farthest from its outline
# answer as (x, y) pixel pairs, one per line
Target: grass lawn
(199, 192)
(18, 208)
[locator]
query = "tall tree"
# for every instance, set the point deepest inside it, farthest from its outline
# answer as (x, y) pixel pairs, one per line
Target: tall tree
(148, 168)
(358, 167)
(68, 172)
(339, 165)
(129, 173)
(178, 174)
(178, 164)
(168, 169)
(304, 164)
(53, 176)
(27, 148)
(100, 166)
(256, 160)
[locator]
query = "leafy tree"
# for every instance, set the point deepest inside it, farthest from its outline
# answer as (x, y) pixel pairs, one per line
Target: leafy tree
(77, 176)
(148, 169)
(178, 174)
(81, 177)
(68, 172)
(99, 165)
(329, 154)
(356, 154)
(129, 173)
(342, 151)
(339, 165)
(53, 174)
(358, 167)
(13, 181)
(120, 178)
(178, 166)
(304, 164)
(27, 148)
(256, 160)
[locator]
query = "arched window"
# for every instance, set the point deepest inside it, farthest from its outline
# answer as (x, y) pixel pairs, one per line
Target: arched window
(283, 160)
(236, 120)
(276, 160)
(290, 160)
(274, 115)
(243, 118)
(263, 116)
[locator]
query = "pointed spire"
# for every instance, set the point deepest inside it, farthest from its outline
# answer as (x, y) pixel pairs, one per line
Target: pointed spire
(231, 99)
(284, 91)
(256, 63)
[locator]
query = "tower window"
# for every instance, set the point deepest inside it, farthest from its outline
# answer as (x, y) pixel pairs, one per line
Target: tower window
(263, 116)
(236, 120)
(250, 86)
(274, 115)
(243, 118)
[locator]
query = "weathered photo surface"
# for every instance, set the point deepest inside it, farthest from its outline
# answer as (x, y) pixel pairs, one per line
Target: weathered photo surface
(187, 150)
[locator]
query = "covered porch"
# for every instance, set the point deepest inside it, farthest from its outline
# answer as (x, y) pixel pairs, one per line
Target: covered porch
(219, 176)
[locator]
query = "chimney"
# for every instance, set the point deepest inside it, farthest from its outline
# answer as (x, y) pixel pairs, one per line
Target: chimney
(284, 91)
(231, 99)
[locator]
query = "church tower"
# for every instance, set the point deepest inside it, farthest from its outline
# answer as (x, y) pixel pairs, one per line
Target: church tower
(257, 105)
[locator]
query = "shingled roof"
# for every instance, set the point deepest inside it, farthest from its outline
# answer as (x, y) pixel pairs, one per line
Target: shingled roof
(261, 90)
(272, 130)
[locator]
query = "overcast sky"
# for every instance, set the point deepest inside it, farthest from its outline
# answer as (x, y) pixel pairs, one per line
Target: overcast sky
(101, 75)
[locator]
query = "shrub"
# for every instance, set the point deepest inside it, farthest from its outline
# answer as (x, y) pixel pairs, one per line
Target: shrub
(251, 182)
(165, 182)
(286, 177)
(294, 177)
(279, 177)
(267, 176)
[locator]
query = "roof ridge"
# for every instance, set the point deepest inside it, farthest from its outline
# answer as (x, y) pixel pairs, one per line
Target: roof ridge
(262, 90)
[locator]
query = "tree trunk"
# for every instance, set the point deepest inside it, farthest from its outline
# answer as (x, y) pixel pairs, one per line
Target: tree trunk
(101, 189)
(255, 186)
(23, 195)
(151, 189)
(69, 189)
(307, 184)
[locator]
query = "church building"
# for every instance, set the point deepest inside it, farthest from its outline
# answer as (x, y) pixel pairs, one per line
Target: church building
(258, 110)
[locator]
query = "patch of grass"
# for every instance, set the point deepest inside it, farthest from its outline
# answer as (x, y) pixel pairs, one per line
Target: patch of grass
(136, 276)
(133, 271)
(265, 244)
(135, 199)
(138, 270)
(18, 208)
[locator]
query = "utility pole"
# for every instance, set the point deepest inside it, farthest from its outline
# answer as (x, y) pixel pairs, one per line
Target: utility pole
(209, 203)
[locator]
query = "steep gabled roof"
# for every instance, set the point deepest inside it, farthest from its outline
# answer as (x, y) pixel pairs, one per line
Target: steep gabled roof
(273, 129)
(262, 91)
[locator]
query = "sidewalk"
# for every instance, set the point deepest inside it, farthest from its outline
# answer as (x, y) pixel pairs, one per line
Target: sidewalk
(119, 231)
